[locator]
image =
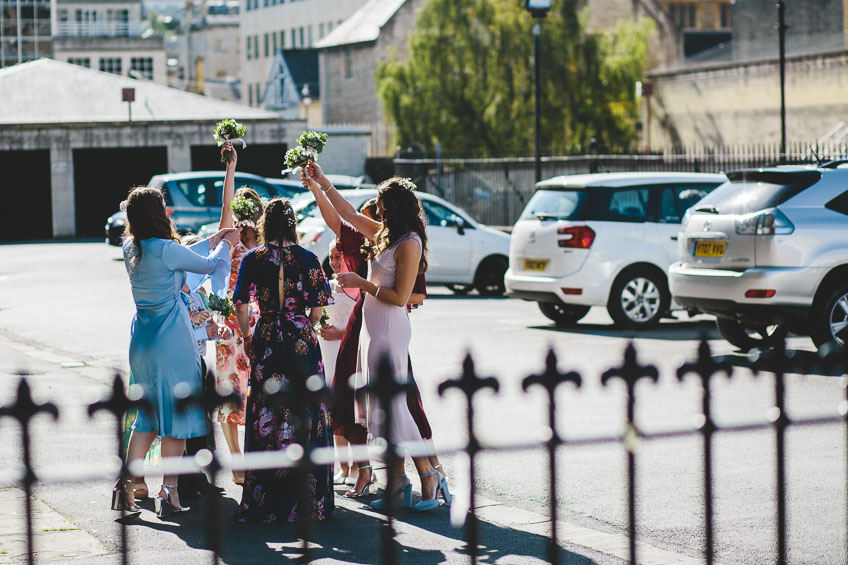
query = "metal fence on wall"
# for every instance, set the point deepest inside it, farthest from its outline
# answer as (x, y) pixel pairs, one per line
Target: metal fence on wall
(494, 191)
(468, 384)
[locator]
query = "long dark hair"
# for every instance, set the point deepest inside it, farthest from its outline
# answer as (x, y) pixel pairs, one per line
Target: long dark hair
(147, 218)
(278, 222)
(402, 214)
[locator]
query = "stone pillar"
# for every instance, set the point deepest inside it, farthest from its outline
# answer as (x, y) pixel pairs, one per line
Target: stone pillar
(179, 155)
(62, 189)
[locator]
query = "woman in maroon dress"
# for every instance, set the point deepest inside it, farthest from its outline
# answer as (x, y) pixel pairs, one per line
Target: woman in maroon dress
(349, 243)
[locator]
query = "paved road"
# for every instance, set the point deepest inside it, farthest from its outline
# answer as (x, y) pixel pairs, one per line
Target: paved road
(73, 300)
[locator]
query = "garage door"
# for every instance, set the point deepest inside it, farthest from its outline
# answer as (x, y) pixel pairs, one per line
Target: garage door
(265, 160)
(26, 211)
(104, 177)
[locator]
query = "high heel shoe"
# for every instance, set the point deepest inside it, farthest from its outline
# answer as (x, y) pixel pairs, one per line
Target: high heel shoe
(443, 483)
(429, 504)
(121, 499)
(339, 478)
(164, 506)
(366, 490)
(406, 490)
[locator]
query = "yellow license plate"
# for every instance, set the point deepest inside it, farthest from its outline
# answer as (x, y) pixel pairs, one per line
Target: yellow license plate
(535, 264)
(710, 248)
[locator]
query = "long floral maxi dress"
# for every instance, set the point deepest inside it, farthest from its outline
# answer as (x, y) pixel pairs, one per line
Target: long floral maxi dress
(231, 361)
(285, 354)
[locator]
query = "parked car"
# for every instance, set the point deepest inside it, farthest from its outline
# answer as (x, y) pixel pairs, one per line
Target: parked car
(193, 199)
(463, 253)
(602, 240)
(766, 253)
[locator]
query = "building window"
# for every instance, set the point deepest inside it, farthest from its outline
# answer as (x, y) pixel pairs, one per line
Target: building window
(329, 27)
(274, 42)
(255, 46)
(320, 30)
(266, 45)
(310, 36)
(348, 63)
(247, 8)
(258, 95)
(111, 65)
(683, 14)
(293, 38)
(301, 37)
(248, 48)
(81, 61)
(725, 16)
(282, 39)
(250, 95)
(143, 66)
(63, 15)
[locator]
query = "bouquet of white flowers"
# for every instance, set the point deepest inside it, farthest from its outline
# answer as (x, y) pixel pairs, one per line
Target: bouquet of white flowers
(232, 131)
(310, 144)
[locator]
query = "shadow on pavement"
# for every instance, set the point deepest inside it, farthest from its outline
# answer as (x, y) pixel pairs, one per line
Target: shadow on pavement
(672, 331)
(797, 361)
(350, 536)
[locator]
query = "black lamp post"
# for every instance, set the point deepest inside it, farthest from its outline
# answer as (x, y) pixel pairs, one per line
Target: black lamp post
(538, 9)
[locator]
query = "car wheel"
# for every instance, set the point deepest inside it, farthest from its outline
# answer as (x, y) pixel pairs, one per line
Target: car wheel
(563, 315)
(746, 336)
(830, 319)
(490, 277)
(638, 299)
(460, 289)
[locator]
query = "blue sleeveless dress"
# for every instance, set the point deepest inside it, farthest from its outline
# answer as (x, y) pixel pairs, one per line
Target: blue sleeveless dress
(163, 350)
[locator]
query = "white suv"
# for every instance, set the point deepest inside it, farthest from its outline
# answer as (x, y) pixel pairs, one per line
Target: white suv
(766, 253)
(602, 240)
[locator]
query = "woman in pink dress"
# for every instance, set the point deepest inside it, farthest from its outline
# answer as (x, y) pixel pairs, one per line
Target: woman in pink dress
(397, 253)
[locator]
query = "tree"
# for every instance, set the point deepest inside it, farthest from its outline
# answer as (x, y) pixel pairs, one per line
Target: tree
(468, 80)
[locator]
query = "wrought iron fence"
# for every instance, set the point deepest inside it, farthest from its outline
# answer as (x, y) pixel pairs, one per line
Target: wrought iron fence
(494, 191)
(704, 367)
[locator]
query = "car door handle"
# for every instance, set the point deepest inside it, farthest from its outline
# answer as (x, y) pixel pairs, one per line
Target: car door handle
(673, 238)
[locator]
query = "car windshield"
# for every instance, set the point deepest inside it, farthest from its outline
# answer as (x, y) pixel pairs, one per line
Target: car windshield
(554, 205)
(307, 210)
(749, 192)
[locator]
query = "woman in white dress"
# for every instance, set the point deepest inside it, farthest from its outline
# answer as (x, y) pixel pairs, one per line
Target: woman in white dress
(330, 338)
(397, 254)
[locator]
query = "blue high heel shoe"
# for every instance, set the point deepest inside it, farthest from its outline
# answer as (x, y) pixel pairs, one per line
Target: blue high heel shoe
(406, 490)
(433, 503)
(443, 483)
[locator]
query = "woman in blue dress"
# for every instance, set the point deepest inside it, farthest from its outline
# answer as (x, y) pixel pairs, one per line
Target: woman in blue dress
(163, 350)
(287, 280)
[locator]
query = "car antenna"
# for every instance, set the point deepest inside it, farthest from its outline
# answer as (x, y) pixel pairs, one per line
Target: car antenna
(819, 160)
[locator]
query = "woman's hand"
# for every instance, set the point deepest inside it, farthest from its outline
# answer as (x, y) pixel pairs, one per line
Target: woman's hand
(216, 239)
(349, 280)
(248, 347)
(231, 164)
(224, 332)
(200, 317)
(211, 330)
(331, 332)
(313, 170)
(308, 182)
(232, 235)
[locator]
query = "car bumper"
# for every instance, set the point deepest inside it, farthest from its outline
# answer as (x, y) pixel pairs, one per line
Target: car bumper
(722, 292)
(549, 289)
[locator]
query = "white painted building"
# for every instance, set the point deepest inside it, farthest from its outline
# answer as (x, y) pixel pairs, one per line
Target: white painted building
(269, 25)
(25, 32)
(109, 36)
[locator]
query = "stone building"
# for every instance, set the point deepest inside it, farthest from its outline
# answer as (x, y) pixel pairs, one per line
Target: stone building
(270, 25)
(731, 95)
(110, 36)
(209, 50)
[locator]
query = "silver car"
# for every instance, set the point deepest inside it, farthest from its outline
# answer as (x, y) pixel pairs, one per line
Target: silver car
(767, 253)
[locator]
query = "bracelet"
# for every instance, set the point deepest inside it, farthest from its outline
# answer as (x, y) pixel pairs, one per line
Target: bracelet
(377, 292)
(328, 188)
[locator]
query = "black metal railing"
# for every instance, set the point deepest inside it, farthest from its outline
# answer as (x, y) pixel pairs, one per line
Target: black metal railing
(494, 191)
(468, 384)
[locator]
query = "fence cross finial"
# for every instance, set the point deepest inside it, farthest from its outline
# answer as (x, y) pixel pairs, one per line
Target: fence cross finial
(118, 402)
(630, 372)
(705, 366)
(550, 379)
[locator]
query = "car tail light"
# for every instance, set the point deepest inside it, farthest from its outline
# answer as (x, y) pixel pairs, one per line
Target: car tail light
(760, 293)
(572, 291)
(580, 237)
(767, 222)
(318, 233)
(169, 211)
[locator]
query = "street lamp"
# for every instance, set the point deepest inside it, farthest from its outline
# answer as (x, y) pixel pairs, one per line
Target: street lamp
(538, 9)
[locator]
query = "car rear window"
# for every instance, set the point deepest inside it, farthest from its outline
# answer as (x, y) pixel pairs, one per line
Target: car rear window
(554, 205)
(752, 191)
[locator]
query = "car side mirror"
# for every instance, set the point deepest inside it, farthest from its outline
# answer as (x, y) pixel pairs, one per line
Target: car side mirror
(460, 226)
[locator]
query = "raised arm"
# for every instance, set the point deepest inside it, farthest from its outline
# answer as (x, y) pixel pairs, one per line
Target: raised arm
(331, 217)
(365, 225)
(229, 188)
(179, 258)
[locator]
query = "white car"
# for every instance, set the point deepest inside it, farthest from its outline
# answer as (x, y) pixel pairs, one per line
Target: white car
(602, 240)
(463, 253)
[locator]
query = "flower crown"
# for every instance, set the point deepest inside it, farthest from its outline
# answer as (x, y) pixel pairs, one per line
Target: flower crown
(246, 211)
(407, 184)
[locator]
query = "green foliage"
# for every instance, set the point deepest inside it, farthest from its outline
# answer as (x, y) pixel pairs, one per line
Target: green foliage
(223, 306)
(468, 81)
(313, 139)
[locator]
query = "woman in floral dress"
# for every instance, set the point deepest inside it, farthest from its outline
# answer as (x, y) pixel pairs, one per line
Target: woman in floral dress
(285, 352)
